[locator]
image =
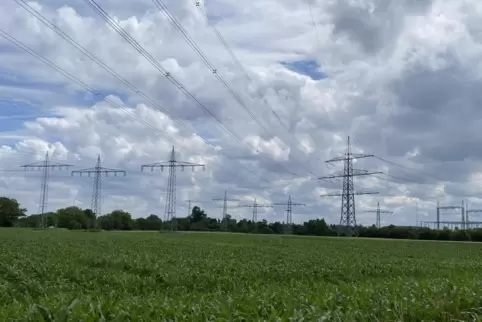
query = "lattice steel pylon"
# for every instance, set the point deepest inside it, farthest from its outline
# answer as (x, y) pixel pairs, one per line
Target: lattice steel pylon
(224, 215)
(288, 229)
(255, 207)
(172, 164)
(45, 166)
(348, 225)
(98, 171)
(379, 212)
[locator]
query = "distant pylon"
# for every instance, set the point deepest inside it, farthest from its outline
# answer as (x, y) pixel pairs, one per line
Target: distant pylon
(348, 226)
(379, 212)
(255, 207)
(172, 164)
(45, 166)
(289, 214)
(189, 202)
(98, 171)
(224, 215)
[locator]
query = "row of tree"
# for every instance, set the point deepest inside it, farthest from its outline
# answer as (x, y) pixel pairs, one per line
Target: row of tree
(11, 214)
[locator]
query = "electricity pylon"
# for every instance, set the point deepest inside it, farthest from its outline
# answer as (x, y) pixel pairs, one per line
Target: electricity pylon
(348, 226)
(225, 209)
(172, 164)
(289, 214)
(98, 171)
(45, 166)
(379, 212)
(189, 209)
(255, 207)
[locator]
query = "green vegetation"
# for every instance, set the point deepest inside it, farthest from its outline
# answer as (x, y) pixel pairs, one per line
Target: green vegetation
(59, 275)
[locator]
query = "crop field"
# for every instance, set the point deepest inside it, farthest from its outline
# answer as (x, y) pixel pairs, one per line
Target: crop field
(56, 275)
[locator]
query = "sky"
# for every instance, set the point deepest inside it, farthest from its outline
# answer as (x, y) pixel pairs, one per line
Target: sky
(262, 93)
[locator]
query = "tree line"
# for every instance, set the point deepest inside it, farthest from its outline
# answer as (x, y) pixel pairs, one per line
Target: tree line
(75, 218)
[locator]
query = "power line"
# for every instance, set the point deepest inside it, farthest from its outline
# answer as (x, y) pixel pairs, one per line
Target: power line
(243, 70)
(114, 25)
(71, 77)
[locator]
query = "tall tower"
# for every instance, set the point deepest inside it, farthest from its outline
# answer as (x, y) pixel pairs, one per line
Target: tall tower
(225, 221)
(288, 229)
(255, 207)
(378, 211)
(45, 166)
(98, 171)
(172, 164)
(347, 226)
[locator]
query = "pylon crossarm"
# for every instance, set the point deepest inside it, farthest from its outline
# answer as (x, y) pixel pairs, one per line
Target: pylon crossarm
(351, 156)
(341, 194)
(361, 155)
(349, 175)
(337, 159)
(39, 165)
(103, 171)
(450, 208)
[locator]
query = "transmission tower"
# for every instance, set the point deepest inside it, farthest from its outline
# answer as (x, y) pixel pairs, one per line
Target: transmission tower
(379, 212)
(461, 223)
(45, 166)
(255, 207)
(289, 214)
(189, 202)
(224, 215)
(98, 171)
(172, 164)
(348, 225)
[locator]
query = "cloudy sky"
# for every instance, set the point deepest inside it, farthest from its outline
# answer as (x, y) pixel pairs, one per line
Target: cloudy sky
(260, 92)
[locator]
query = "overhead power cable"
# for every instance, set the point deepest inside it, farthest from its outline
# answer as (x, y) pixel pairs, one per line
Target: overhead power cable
(112, 23)
(68, 75)
(427, 175)
(99, 62)
(175, 22)
(243, 70)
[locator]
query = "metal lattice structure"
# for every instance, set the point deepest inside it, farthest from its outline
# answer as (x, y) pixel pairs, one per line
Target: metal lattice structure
(189, 202)
(45, 166)
(379, 212)
(463, 222)
(288, 229)
(471, 224)
(348, 225)
(255, 207)
(172, 164)
(98, 171)
(224, 215)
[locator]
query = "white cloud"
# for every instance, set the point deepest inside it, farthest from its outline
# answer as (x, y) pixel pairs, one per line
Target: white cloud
(402, 82)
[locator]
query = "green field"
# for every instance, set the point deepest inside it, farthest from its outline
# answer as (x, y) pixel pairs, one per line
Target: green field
(61, 275)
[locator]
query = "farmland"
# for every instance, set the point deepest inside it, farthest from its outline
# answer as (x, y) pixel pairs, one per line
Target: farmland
(62, 275)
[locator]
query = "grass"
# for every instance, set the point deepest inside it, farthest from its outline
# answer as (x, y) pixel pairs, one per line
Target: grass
(56, 275)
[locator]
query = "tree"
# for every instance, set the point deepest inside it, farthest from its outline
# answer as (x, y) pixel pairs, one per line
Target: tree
(72, 218)
(197, 214)
(10, 211)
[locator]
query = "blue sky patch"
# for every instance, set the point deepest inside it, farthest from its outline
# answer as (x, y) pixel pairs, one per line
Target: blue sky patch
(305, 67)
